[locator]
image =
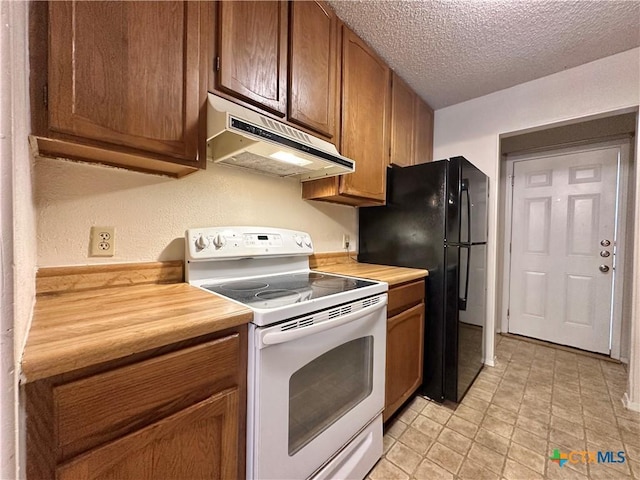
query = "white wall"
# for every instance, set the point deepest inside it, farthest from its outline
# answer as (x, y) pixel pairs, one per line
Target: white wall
(472, 128)
(151, 213)
(18, 254)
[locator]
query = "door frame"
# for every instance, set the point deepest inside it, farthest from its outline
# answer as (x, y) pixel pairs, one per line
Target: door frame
(621, 212)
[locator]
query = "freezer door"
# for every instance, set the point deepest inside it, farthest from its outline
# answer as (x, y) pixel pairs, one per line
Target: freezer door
(472, 197)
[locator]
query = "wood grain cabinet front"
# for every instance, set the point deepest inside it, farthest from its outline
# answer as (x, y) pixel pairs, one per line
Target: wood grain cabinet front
(124, 84)
(313, 68)
(405, 340)
(364, 128)
(281, 58)
(251, 62)
(176, 415)
(423, 132)
(403, 105)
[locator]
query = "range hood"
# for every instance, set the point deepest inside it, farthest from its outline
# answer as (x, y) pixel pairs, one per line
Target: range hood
(243, 138)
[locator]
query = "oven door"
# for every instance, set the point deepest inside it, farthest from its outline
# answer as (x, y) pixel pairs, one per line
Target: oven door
(314, 383)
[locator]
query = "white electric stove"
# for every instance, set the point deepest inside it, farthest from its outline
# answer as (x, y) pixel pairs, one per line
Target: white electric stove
(316, 351)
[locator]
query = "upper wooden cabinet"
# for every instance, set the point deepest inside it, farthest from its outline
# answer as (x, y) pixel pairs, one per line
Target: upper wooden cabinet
(313, 66)
(251, 61)
(123, 85)
(403, 117)
(282, 58)
(423, 132)
(365, 118)
(364, 130)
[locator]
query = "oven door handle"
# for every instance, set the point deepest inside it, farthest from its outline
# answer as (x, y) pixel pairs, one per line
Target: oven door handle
(275, 337)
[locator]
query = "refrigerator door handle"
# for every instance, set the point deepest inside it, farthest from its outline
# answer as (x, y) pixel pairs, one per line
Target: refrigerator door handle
(462, 300)
(465, 188)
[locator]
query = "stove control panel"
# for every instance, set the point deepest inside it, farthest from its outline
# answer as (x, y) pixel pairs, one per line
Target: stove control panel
(238, 242)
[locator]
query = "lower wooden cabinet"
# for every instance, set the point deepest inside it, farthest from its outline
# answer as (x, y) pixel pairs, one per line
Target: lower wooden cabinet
(172, 415)
(199, 442)
(405, 340)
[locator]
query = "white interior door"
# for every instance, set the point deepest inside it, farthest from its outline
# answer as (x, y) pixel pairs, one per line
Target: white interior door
(562, 248)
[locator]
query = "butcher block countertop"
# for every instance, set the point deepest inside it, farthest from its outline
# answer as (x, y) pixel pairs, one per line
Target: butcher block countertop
(382, 273)
(77, 329)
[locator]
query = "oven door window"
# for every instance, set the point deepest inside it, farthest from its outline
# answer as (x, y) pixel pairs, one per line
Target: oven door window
(325, 389)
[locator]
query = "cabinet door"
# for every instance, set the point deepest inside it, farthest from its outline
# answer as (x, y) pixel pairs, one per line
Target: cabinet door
(200, 442)
(313, 67)
(403, 103)
(405, 339)
(126, 73)
(423, 132)
(252, 52)
(365, 118)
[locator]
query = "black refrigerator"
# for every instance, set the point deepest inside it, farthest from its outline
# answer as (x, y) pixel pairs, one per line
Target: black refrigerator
(435, 218)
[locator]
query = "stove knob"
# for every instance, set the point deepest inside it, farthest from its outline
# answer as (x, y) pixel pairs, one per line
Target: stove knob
(202, 242)
(298, 240)
(307, 241)
(219, 241)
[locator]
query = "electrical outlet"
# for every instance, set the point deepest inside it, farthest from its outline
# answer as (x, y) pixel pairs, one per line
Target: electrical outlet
(102, 242)
(345, 241)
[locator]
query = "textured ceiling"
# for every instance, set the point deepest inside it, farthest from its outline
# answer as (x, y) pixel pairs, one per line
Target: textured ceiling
(450, 51)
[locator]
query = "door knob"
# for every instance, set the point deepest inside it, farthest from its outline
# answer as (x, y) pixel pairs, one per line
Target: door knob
(604, 253)
(605, 243)
(604, 268)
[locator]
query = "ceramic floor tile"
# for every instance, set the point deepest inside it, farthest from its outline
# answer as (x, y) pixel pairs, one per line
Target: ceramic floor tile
(403, 457)
(385, 470)
(396, 428)
(535, 400)
(516, 471)
(533, 426)
(454, 440)
(415, 440)
(566, 426)
(530, 441)
(573, 415)
(486, 457)
(387, 443)
(471, 470)
(407, 416)
(436, 413)
(427, 426)
(470, 414)
(566, 440)
(506, 416)
(445, 457)
(608, 429)
(475, 403)
(527, 457)
(428, 470)
(555, 472)
(496, 425)
(418, 403)
(492, 440)
(462, 426)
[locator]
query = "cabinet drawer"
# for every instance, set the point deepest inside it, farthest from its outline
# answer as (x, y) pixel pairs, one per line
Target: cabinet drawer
(404, 296)
(96, 409)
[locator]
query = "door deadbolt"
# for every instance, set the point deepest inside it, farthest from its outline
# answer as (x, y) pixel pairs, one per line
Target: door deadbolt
(604, 268)
(604, 253)
(605, 243)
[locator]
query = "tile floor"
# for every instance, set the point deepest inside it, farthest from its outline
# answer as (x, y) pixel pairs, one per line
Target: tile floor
(536, 399)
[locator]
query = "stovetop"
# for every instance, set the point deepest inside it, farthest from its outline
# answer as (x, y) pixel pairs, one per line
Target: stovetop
(267, 270)
(275, 291)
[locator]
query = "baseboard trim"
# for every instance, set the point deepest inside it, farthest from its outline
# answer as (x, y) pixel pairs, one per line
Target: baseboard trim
(629, 405)
(490, 362)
